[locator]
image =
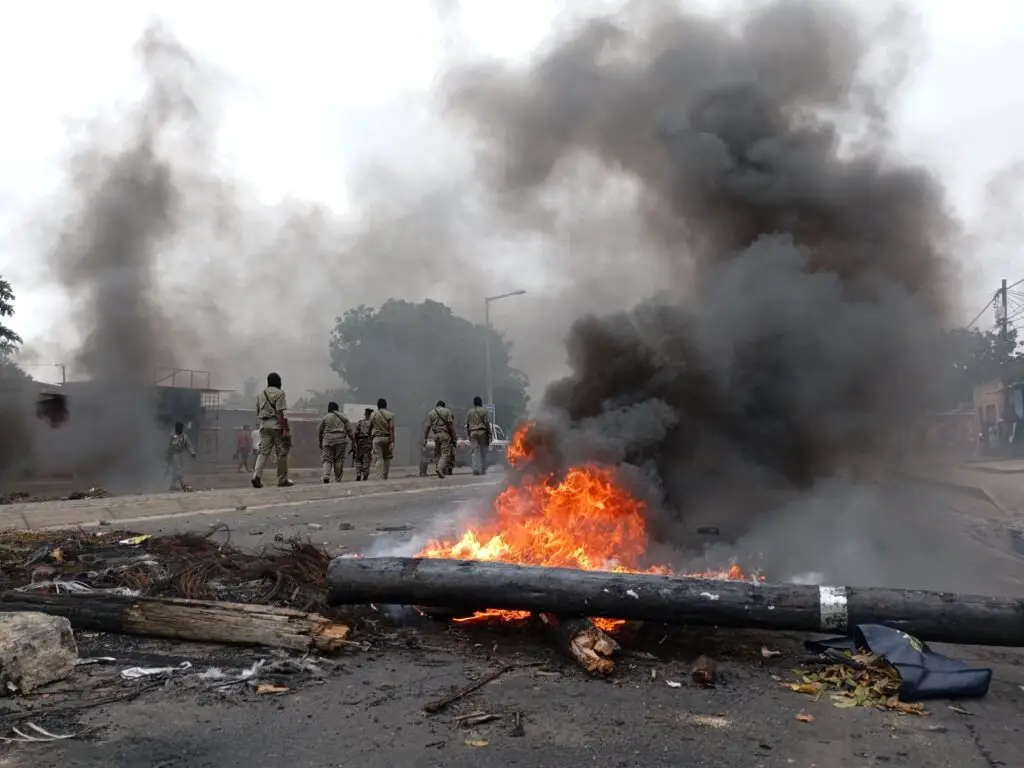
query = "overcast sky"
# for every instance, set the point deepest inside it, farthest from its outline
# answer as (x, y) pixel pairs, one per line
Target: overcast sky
(313, 87)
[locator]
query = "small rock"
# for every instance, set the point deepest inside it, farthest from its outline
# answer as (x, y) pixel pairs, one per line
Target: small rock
(278, 537)
(241, 507)
(35, 649)
(315, 526)
(346, 527)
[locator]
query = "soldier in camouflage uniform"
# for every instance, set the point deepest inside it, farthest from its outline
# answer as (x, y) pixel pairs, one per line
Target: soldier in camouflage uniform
(478, 426)
(441, 423)
(382, 433)
(271, 406)
(333, 435)
(363, 446)
(176, 449)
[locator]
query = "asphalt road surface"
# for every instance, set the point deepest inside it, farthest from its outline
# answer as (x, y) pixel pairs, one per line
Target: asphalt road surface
(369, 712)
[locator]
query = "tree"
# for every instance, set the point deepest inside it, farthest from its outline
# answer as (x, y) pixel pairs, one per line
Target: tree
(9, 340)
(975, 357)
(416, 354)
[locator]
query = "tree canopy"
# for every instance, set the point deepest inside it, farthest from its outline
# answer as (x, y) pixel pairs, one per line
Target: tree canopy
(9, 340)
(416, 354)
(978, 356)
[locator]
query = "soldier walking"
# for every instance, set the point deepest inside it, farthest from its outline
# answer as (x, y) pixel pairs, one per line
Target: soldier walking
(441, 423)
(271, 405)
(176, 449)
(382, 434)
(332, 436)
(478, 425)
(363, 445)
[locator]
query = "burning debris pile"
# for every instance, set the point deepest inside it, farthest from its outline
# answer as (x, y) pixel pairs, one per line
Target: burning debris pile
(581, 517)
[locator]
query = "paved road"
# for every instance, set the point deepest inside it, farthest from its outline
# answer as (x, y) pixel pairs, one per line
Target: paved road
(371, 713)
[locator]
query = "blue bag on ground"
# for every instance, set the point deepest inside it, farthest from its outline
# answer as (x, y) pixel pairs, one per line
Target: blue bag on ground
(924, 674)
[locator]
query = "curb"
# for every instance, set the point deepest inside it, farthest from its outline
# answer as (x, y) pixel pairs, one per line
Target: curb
(978, 492)
(55, 514)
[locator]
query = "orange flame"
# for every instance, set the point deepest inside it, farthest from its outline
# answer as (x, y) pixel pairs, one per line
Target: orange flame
(583, 520)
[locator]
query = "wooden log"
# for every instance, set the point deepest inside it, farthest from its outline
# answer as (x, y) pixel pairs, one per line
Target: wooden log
(581, 641)
(195, 620)
(931, 616)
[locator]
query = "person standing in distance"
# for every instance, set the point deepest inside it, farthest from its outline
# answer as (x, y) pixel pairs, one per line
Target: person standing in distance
(334, 433)
(478, 426)
(176, 448)
(271, 406)
(441, 422)
(364, 445)
(382, 433)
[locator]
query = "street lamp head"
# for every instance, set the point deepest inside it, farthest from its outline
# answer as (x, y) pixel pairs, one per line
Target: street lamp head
(519, 292)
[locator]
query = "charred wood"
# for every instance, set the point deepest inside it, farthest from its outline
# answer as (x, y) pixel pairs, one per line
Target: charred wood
(703, 672)
(934, 616)
(583, 642)
(193, 620)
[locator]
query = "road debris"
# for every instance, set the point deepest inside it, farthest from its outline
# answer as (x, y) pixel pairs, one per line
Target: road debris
(42, 735)
(705, 721)
(804, 717)
(435, 707)
(864, 680)
(518, 728)
(35, 649)
(673, 684)
(197, 567)
(134, 673)
(476, 743)
(476, 718)
(267, 688)
(583, 642)
(195, 620)
(767, 653)
(704, 671)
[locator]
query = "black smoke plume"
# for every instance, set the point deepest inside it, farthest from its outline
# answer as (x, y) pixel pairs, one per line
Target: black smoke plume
(805, 263)
(126, 189)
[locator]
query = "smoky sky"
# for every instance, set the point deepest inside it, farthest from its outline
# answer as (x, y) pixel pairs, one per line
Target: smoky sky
(706, 210)
(803, 265)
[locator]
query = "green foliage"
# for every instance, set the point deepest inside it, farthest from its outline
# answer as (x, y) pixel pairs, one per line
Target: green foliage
(416, 354)
(10, 373)
(976, 357)
(9, 340)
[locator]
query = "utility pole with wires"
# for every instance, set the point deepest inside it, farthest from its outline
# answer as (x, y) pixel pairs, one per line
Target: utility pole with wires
(1002, 315)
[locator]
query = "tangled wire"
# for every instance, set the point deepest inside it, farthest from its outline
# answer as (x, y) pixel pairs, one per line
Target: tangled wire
(188, 565)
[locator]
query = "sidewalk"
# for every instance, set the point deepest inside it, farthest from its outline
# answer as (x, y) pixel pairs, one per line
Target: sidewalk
(1003, 489)
(201, 480)
(122, 509)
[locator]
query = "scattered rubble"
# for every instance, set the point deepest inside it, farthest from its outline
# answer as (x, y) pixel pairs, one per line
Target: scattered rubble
(35, 649)
(867, 681)
(289, 574)
(24, 497)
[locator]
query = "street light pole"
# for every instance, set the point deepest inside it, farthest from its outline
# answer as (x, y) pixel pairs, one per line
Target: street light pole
(487, 338)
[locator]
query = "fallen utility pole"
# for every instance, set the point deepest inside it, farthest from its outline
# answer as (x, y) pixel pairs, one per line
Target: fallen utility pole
(934, 616)
(194, 620)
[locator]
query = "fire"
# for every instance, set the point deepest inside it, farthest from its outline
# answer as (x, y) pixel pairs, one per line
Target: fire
(583, 519)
